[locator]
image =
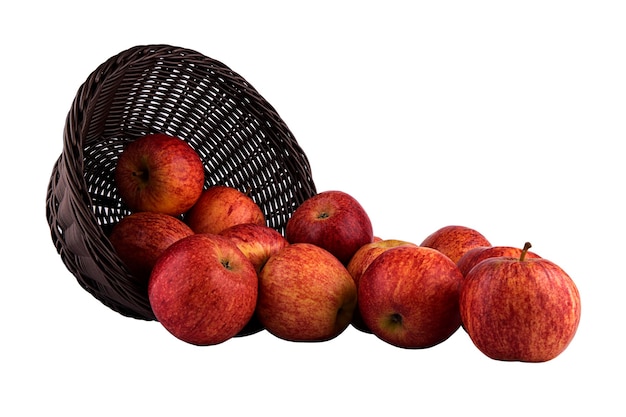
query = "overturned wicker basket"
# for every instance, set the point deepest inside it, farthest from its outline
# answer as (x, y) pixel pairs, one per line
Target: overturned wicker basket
(160, 88)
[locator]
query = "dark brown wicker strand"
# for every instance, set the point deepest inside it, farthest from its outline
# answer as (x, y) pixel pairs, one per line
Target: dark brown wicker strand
(161, 88)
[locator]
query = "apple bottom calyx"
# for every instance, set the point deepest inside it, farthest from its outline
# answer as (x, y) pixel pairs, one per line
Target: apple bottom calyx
(395, 319)
(142, 175)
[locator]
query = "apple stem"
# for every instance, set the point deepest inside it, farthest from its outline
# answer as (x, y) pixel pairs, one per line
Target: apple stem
(527, 246)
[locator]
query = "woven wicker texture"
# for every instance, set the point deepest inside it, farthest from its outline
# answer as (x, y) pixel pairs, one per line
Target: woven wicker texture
(160, 88)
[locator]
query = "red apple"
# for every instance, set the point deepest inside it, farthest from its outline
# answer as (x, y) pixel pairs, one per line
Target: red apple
(220, 207)
(258, 243)
(332, 220)
(454, 241)
(203, 289)
(140, 238)
(159, 173)
(475, 255)
(359, 263)
(305, 294)
(408, 297)
(520, 309)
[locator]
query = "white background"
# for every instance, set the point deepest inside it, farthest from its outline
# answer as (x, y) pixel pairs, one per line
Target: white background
(504, 118)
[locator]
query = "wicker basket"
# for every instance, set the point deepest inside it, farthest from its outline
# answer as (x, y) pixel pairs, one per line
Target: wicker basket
(160, 88)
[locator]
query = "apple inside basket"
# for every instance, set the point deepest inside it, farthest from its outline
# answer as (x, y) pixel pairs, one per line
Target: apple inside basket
(241, 139)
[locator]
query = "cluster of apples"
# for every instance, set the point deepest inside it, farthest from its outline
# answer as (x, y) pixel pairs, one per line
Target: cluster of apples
(214, 270)
(514, 304)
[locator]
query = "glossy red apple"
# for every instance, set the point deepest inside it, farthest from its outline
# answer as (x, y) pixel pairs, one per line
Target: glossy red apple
(359, 263)
(220, 207)
(159, 173)
(305, 294)
(203, 289)
(453, 241)
(140, 238)
(475, 255)
(332, 220)
(408, 296)
(258, 243)
(520, 309)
